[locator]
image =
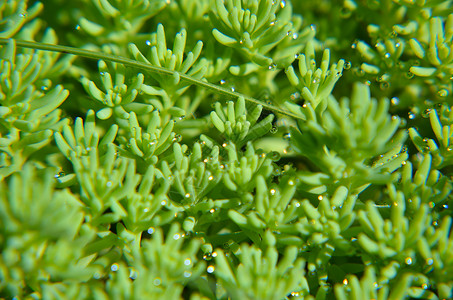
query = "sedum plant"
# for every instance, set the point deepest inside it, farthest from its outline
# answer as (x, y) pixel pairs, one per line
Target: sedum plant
(226, 149)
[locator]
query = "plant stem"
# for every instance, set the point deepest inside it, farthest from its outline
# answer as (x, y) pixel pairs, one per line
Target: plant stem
(140, 65)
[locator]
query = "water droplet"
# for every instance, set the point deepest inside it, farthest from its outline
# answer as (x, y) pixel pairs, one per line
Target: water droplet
(353, 239)
(426, 113)
(384, 85)
(182, 117)
(431, 204)
(212, 210)
(395, 101)
(408, 260)
(347, 65)
(151, 230)
(291, 182)
(287, 136)
(295, 35)
(224, 145)
(177, 138)
(272, 23)
(429, 261)
(233, 89)
(210, 178)
(222, 81)
(214, 254)
(409, 75)
(164, 202)
(320, 197)
(109, 183)
(187, 262)
(445, 206)
(272, 67)
(44, 88)
(274, 129)
(148, 42)
(368, 83)
(157, 281)
(177, 236)
(442, 93)
(187, 274)
(274, 155)
(59, 174)
(424, 286)
(133, 274)
(354, 45)
(411, 115)
(387, 55)
(288, 33)
(146, 209)
(210, 269)
(313, 27)
(297, 204)
(114, 267)
(282, 4)
(272, 191)
(23, 15)
(345, 282)
(295, 96)
(77, 27)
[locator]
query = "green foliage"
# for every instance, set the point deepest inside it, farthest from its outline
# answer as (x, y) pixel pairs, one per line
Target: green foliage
(237, 149)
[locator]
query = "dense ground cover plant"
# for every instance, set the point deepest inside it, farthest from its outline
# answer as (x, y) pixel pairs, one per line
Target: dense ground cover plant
(226, 149)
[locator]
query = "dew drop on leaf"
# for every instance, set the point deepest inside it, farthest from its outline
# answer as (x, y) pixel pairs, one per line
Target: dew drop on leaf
(442, 93)
(347, 65)
(409, 75)
(114, 267)
(187, 274)
(210, 269)
(274, 155)
(426, 113)
(384, 85)
(395, 101)
(272, 67)
(157, 281)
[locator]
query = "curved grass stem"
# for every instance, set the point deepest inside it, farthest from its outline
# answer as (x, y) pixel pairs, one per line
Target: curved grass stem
(139, 65)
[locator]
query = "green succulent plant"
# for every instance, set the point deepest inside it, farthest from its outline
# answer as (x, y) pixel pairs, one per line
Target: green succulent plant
(226, 149)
